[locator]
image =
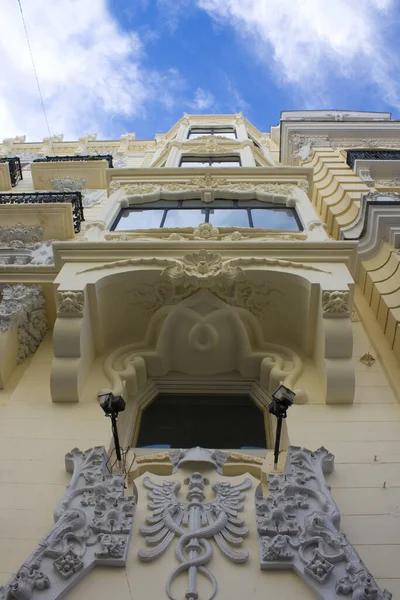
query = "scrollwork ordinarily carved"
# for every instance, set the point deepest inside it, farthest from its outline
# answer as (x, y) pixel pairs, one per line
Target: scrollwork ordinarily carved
(298, 525)
(93, 524)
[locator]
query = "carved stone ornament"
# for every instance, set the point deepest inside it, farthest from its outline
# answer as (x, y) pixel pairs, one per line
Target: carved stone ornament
(215, 458)
(68, 184)
(206, 231)
(23, 307)
(70, 304)
(22, 245)
(298, 528)
(388, 182)
(204, 184)
(195, 523)
(92, 526)
(335, 304)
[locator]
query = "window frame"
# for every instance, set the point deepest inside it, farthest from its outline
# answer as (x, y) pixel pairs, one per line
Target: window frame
(210, 158)
(211, 206)
(212, 130)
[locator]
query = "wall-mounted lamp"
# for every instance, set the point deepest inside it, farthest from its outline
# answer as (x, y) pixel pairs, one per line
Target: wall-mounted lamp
(282, 399)
(112, 406)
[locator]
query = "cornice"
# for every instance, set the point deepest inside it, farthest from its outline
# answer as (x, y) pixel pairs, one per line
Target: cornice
(302, 250)
(309, 134)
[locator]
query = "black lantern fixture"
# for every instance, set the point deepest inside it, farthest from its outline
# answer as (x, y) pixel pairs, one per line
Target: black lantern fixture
(112, 406)
(282, 399)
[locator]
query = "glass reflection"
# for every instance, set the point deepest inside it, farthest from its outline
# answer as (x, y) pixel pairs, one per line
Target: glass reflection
(140, 219)
(274, 219)
(184, 218)
(229, 218)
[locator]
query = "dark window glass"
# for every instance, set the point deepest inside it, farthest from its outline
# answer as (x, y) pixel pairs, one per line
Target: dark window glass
(229, 218)
(210, 421)
(196, 132)
(210, 161)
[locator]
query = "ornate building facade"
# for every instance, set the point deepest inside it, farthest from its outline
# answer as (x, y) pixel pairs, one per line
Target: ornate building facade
(192, 276)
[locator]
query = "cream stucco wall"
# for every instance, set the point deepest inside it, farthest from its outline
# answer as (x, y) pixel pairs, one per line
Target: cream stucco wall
(35, 433)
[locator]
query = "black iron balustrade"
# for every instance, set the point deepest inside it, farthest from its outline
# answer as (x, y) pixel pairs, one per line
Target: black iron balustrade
(107, 157)
(353, 155)
(14, 165)
(75, 198)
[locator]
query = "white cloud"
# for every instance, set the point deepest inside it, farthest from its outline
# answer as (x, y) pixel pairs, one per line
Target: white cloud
(305, 41)
(203, 100)
(90, 71)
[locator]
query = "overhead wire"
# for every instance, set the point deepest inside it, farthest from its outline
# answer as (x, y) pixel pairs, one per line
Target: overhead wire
(34, 67)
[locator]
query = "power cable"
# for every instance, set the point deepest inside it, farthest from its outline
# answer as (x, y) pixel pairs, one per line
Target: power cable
(34, 67)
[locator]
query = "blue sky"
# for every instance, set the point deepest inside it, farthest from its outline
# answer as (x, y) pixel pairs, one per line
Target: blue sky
(114, 66)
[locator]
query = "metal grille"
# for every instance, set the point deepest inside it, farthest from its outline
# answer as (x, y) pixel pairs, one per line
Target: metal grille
(107, 157)
(14, 165)
(353, 155)
(75, 198)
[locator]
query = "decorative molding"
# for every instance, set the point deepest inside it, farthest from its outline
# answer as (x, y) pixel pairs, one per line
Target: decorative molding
(206, 185)
(194, 523)
(298, 528)
(335, 304)
(22, 245)
(93, 525)
(244, 458)
(302, 145)
(388, 182)
(149, 458)
(215, 458)
(70, 304)
(68, 184)
(206, 231)
(23, 307)
(20, 235)
(354, 317)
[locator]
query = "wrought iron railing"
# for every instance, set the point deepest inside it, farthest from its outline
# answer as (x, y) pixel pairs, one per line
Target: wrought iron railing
(107, 157)
(353, 155)
(75, 198)
(14, 165)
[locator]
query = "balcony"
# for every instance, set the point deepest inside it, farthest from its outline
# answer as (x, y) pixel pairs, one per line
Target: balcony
(74, 198)
(10, 172)
(92, 168)
(355, 155)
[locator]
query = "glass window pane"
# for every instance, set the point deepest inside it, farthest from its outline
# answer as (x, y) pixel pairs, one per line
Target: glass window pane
(226, 134)
(193, 135)
(193, 163)
(229, 218)
(226, 163)
(139, 219)
(185, 218)
(270, 218)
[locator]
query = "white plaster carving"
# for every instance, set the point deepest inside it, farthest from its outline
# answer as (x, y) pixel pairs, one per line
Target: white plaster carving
(215, 458)
(21, 245)
(388, 182)
(23, 307)
(206, 231)
(335, 304)
(203, 266)
(92, 197)
(20, 235)
(204, 183)
(68, 184)
(365, 175)
(93, 524)
(70, 304)
(298, 528)
(194, 523)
